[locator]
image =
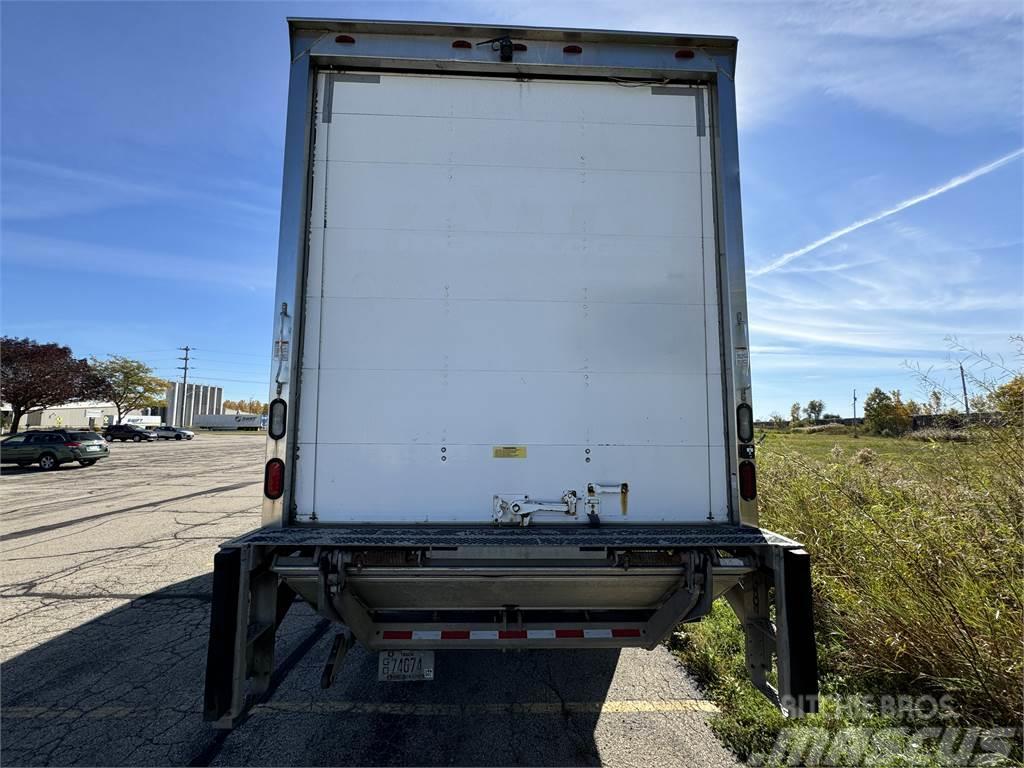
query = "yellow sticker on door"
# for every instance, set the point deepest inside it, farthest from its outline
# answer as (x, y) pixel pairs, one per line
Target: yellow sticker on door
(509, 451)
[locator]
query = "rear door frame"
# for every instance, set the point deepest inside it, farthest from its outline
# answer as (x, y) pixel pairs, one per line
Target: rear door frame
(384, 46)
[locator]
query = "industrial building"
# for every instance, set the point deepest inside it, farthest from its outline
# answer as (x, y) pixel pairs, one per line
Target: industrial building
(190, 401)
(88, 414)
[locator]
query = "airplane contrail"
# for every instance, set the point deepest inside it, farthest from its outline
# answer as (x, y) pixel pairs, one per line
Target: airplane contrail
(933, 192)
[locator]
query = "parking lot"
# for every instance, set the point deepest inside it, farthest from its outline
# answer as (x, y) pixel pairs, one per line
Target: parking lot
(105, 609)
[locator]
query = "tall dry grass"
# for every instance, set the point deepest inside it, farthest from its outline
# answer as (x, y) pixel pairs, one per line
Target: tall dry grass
(917, 566)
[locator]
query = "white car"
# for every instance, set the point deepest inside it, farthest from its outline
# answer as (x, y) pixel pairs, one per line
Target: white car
(173, 433)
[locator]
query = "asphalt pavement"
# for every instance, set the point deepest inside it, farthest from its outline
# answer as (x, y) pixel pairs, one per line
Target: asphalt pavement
(104, 615)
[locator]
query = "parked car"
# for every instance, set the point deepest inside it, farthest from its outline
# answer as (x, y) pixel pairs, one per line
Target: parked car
(173, 433)
(51, 449)
(124, 432)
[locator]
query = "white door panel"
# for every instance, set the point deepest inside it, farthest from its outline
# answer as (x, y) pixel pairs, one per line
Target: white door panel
(500, 263)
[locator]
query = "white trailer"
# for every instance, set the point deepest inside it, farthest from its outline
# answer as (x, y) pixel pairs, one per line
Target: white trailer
(230, 421)
(511, 266)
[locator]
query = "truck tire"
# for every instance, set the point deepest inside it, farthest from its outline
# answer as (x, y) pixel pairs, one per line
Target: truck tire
(177, 437)
(48, 461)
(137, 439)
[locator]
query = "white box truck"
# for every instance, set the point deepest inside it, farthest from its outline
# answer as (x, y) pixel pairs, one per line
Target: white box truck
(511, 400)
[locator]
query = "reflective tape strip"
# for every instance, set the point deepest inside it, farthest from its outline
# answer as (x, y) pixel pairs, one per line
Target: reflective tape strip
(567, 633)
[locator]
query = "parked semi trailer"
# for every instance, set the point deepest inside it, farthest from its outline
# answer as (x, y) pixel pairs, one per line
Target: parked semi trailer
(511, 401)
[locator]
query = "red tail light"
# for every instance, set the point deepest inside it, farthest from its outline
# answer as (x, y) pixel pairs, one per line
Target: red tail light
(72, 445)
(462, 44)
(347, 39)
(684, 54)
(273, 479)
(748, 480)
(572, 49)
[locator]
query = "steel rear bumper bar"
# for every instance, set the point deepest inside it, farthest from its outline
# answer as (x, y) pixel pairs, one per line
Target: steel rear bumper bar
(257, 576)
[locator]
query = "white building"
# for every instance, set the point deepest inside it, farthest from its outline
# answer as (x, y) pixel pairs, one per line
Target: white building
(194, 400)
(89, 414)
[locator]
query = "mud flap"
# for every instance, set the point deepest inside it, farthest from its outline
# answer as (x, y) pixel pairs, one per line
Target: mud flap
(797, 651)
(220, 653)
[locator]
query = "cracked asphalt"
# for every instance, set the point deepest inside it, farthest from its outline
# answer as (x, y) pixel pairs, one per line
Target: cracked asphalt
(104, 606)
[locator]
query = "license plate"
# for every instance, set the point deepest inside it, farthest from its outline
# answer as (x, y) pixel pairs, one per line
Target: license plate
(396, 666)
(92, 447)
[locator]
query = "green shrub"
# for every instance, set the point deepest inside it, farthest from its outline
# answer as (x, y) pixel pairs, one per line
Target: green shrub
(917, 566)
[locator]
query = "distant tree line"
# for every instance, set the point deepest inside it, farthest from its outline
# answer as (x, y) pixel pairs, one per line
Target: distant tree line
(888, 413)
(36, 376)
(245, 406)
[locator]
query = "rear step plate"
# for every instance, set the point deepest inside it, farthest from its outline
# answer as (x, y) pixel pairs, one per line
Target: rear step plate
(404, 666)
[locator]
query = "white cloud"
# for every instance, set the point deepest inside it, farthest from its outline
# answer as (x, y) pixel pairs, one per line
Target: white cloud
(80, 256)
(942, 63)
(35, 190)
(953, 183)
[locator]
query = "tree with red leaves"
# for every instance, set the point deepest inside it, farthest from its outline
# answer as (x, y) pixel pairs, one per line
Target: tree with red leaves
(34, 376)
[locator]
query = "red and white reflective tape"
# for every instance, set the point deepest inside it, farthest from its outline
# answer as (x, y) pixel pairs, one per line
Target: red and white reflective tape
(510, 634)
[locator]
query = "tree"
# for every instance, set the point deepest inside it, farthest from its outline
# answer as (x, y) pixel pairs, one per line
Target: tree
(794, 413)
(1009, 398)
(831, 417)
(813, 409)
(128, 384)
(933, 406)
(886, 412)
(35, 376)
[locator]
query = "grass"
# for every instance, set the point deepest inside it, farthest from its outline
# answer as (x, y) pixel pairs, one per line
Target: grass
(917, 553)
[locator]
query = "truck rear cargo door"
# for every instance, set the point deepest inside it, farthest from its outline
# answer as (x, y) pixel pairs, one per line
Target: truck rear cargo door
(511, 291)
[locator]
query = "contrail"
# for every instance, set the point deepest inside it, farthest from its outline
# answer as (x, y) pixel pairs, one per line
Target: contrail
(933, 192)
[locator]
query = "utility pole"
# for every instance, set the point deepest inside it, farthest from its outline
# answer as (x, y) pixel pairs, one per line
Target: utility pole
(963, 382)
(854, 412)
(184, 382)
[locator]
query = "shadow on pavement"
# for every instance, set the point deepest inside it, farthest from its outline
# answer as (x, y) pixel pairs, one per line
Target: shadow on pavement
(125, 688)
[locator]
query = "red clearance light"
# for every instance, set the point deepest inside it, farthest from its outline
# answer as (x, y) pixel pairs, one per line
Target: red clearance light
(684, 53)
(462, 44)
(395, 634)
(572, 49)
(748, 480)
(455, 634)
(273, 479)
(518, 47)
(348, 39)
(511, 634)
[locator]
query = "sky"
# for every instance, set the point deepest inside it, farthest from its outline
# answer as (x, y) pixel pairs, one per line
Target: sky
(882, 163)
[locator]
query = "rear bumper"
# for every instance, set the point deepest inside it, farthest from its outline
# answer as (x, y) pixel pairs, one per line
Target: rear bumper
(534, 587)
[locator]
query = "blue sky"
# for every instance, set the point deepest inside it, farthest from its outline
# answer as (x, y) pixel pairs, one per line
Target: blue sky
(141, 163)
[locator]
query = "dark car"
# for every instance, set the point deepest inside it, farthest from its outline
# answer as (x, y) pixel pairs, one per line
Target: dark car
(51, 449)
(124, 432)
